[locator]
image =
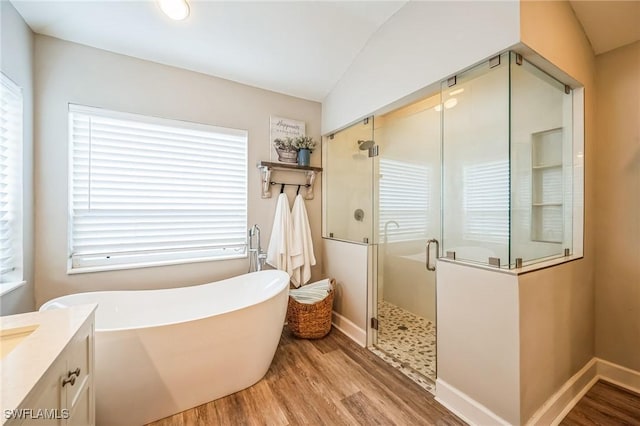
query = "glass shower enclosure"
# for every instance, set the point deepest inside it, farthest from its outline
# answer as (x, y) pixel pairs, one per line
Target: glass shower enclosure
(480, 172)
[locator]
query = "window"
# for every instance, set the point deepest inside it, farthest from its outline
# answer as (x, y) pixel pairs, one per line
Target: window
(486, 202)
(11, 181)
(148, 191)
(405, 192)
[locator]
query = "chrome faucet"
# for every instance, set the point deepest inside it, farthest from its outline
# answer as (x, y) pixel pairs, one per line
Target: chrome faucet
(257, 257)
(386, 228)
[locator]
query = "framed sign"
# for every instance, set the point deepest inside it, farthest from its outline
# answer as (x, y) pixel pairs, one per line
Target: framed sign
(283, 128)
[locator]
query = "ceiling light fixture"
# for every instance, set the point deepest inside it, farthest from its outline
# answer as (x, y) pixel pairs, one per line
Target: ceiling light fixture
(175, 9)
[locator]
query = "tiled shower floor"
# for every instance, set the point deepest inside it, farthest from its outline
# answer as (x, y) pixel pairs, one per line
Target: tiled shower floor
(409, 339)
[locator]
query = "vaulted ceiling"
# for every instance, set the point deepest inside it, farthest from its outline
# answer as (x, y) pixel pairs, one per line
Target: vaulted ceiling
(301, 48)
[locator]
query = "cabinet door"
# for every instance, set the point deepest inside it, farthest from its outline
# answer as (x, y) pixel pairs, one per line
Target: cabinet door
(46, 405)
(79, 396)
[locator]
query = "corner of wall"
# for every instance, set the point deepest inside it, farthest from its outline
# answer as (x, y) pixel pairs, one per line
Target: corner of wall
(551, 29)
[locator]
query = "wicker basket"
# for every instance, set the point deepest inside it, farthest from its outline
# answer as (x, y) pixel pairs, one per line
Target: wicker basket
(311, 321)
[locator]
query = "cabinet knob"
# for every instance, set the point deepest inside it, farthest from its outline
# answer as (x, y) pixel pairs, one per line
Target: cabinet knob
(69, 380)
(71, 377)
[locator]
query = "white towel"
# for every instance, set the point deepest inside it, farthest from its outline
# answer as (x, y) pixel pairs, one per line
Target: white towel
(302, 238)
(311, 293)
(281, 244)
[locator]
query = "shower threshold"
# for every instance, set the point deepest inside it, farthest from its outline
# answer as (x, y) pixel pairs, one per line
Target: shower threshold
(407, 342)
(422, 381)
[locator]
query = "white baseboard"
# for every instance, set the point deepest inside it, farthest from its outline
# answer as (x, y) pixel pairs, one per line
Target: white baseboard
(352, 331)
(558, 406)
(560, 403)
(555, 408)
(619, 375)
(465, 407)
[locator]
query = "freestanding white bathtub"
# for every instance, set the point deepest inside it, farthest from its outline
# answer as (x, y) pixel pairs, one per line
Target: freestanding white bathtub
(159, 352)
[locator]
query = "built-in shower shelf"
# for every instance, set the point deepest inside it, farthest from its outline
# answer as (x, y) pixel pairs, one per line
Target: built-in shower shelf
(547, 222)
(267, 167)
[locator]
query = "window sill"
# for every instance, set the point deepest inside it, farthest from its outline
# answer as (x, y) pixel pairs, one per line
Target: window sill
(105, 268)
(9, 287)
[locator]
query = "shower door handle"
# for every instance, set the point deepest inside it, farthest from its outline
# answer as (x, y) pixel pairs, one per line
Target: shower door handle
(428, 262)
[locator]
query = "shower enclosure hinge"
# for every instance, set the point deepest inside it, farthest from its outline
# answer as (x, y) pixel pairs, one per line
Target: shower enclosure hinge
(330, 234)
(374, 323)
(518, 262)
(452, 81)
(373, 151)
(518, 59)
(567, 252)
(494, 62)
(331, 136)
(451, 255)
(366, 120)
(494, 261)
(365, 240)
(567, 89)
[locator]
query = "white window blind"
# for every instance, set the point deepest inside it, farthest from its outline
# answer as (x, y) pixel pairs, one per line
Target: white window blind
(154, 191)
(11, 181)
(486, 202)
(405, 194)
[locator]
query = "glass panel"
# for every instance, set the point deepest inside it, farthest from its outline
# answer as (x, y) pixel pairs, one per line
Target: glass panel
(348, 179)
(408, 207)
(541, 165)
(476, 164)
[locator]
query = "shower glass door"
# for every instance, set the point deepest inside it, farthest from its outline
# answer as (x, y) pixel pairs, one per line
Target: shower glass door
(407, 199)
(348, 184)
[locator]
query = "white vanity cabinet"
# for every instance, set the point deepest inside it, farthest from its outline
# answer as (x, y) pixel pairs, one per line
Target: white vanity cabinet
(67, 389)
(64, 394)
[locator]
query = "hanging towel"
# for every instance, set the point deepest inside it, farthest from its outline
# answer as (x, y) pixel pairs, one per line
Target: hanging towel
(281, 244)
(302, 236)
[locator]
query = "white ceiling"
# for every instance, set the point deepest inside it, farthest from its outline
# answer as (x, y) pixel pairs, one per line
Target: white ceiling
(609, 24)
(299, 48)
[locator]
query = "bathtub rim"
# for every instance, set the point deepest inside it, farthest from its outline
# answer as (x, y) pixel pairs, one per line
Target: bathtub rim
(284, 277)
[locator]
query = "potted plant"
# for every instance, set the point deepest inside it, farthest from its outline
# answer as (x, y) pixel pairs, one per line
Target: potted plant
(287, 152)
(305, 146)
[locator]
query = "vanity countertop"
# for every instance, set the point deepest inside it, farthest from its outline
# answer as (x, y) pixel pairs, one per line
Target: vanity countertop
(47, 335)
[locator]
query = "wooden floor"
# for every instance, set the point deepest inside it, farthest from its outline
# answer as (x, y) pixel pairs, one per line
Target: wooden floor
(605, 404)
(331, 381)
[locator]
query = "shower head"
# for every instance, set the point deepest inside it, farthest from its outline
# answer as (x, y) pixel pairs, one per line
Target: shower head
(365, 145)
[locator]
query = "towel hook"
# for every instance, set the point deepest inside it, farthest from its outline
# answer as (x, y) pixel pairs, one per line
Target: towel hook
(281, 188)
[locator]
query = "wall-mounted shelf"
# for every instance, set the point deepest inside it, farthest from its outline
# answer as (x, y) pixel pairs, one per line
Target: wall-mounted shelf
(266, 167)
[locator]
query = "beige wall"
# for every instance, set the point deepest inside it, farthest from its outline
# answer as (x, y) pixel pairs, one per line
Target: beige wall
(16, 61)
(348, 264)
(556, 331)
(560, 298)
(618, 197)
(67, 72)
(478, 335)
